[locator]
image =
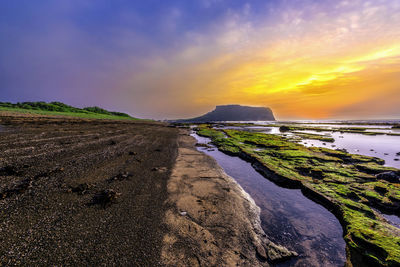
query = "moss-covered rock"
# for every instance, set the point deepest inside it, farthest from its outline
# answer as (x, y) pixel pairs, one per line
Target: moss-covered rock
(345, 183)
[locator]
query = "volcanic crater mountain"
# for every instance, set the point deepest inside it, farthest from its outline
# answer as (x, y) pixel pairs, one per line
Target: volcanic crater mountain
(235, 113)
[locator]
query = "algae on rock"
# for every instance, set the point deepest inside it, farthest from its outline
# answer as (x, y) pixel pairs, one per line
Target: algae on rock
(345, 183)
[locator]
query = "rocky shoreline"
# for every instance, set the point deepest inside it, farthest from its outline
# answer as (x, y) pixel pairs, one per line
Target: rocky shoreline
(347, 184)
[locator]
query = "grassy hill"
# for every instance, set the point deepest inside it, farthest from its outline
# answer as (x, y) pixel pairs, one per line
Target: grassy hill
(61, 109)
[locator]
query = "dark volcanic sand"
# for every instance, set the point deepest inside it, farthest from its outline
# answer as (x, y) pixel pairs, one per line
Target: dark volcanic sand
(45, 219)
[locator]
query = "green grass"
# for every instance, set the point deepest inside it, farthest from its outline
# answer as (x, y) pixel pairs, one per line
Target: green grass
(346, 181)
(60, 109)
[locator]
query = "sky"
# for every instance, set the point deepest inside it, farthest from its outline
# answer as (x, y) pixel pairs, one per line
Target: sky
(166, 59)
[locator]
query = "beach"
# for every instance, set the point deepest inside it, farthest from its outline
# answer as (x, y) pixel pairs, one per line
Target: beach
(85, 192)
(100, 192)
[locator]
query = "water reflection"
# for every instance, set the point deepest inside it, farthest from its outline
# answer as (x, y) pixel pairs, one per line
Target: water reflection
(385, 147)
(392, 219)
(287, 217)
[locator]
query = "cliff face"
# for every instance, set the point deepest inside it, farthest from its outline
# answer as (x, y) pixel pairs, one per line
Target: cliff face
(236, 113)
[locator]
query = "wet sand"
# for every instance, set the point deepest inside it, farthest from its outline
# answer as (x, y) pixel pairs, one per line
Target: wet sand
(287, 216)
(208, 206)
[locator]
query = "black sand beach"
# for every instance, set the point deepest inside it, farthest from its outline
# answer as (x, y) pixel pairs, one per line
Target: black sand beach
(137, 193)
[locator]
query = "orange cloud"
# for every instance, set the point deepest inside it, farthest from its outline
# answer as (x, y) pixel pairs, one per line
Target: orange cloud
(316, 68)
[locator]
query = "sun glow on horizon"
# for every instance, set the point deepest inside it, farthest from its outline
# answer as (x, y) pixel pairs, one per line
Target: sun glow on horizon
(297, 68)
(304, 59)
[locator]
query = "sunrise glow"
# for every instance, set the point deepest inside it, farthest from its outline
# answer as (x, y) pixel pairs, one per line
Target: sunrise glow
(304, 59)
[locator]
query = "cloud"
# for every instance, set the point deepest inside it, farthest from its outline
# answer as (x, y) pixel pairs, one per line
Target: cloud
(303, 58)
(299, 60)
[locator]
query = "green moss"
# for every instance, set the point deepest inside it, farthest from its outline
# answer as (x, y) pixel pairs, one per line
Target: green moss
(342, 189)
(394, 192)
(208, 132)
(373, 168)
(348, 181)
(319, 137)
(373, 194)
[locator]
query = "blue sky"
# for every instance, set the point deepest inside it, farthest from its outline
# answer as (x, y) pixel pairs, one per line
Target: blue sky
(176, 58)
(73, 50)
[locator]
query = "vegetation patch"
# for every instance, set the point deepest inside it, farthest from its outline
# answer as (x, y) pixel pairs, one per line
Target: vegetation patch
(346, 183)
(61, 109)
(319, 137)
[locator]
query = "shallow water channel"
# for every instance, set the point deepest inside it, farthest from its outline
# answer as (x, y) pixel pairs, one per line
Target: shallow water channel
(287, 216)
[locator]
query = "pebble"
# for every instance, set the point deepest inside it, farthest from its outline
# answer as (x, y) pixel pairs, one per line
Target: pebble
(390, 176)
(183, 213)
(160, 169)
(105, 197)
(121, 176)
(112, 143)
(81, 189)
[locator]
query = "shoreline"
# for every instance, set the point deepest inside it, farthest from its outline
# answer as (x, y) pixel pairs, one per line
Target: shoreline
(55, 172)
(211, 209)
(185, 209)
(361, 250)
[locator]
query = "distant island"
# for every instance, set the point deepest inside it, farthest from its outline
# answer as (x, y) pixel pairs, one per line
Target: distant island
(235, 113)
(61, 109)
